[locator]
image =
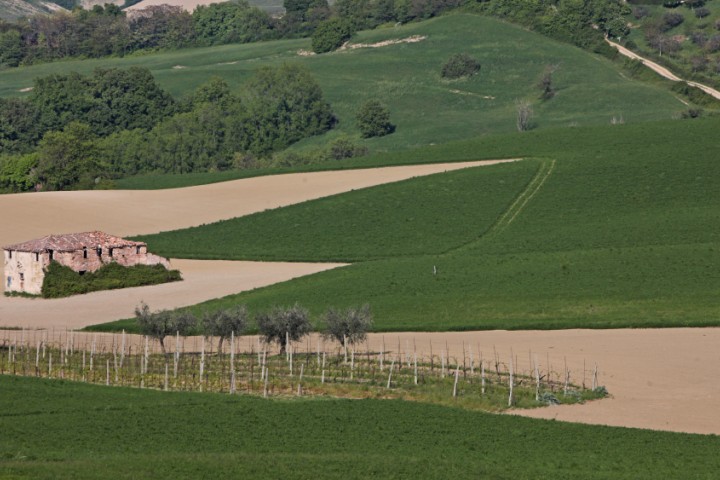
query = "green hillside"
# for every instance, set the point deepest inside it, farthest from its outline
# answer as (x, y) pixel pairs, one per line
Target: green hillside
(623, 232)
(426, 109)
(55, 429)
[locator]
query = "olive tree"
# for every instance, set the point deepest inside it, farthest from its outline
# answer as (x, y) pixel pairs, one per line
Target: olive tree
(347, 326)
(282, 324)
(161, 323)
(223, 323)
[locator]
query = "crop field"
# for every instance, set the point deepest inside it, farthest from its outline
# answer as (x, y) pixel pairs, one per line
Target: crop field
(426, 109)
(59, 429)
(624, 232)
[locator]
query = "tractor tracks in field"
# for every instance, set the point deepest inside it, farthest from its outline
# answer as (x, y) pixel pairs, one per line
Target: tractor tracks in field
(544, 171)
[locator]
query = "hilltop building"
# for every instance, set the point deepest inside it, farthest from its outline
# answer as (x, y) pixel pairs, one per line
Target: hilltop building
(25, 263)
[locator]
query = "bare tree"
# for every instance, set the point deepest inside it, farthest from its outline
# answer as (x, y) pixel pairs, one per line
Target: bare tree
(349, 326)
(222, 323)
(282, 324)
(161, 323)
(524, 115)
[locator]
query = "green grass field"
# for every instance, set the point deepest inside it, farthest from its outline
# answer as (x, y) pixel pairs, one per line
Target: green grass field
(427, 110)
(55, 429)
(623, 233)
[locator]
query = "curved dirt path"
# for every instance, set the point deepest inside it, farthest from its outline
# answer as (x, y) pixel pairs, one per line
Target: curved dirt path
(662, 71)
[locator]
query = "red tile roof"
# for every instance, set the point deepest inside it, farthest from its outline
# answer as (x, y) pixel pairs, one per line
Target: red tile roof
(73, 241)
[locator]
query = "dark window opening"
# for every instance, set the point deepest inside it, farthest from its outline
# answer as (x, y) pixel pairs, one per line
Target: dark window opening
(10, 252)
(110, 250)
(137, 250)
(51, 254)
(99, 251)
(82, 272)
(37, 257)
(84, 252)
(22, 277)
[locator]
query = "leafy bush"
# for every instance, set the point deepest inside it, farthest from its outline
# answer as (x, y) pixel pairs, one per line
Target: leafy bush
(702, 12)
(62, 281)
(460, 65)
(672, 19)
(330, 35)
(373, 120)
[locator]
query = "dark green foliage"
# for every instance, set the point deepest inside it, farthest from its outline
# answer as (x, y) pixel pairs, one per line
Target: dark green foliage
(61, 281)
(672, 19)
(284, 105)
(330, 35)
(347, 327)
(217, 435)
(373, 120)
(460, 65)
(67, 159)
(280, 324)
(230, 22)
(163, 323)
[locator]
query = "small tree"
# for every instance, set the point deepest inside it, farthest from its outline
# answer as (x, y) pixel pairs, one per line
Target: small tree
(524, 115)
(280, 324)
(330, 35)
(373, 120)
(547, 90)
(222, 323)
(460, 65)
(162, 323)
(349, 326)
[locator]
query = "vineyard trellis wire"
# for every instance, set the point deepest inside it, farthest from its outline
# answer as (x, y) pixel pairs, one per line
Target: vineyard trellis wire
(247, 365)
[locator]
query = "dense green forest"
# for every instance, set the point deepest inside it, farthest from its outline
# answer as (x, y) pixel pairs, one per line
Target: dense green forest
(76, 131)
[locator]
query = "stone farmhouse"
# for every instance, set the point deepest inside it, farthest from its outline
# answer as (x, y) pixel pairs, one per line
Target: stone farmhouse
(25, 263)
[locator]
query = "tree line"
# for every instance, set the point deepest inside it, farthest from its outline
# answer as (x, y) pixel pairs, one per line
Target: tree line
(108, 30)
(278, 325)
(76, 131)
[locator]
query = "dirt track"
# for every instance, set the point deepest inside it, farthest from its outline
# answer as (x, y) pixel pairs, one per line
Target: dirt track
(662, 71)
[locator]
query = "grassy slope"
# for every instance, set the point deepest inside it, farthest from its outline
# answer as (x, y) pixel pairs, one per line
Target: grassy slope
(625, 232)
(420, 216)
(426, 109)
(55, 429)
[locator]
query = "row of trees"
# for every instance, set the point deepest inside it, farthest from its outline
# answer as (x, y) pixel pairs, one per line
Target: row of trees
(108, 30)
(277, 325)
(73, 131)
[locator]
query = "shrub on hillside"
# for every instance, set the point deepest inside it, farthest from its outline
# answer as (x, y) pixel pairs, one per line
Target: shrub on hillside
(702, 12)
(330, 35)
(672, 20)
(460, 65)
(373, 120)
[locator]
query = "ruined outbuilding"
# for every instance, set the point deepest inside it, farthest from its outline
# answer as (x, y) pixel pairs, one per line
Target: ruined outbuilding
(25, 263)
